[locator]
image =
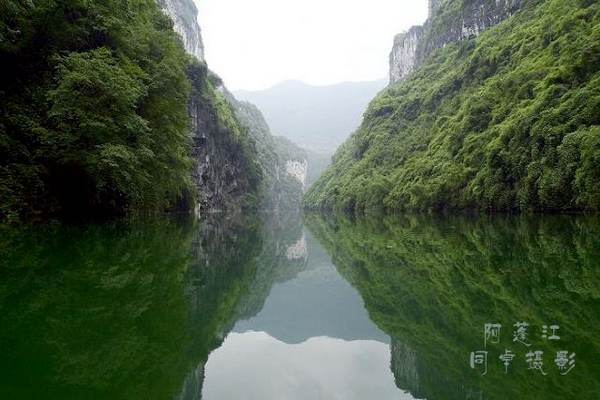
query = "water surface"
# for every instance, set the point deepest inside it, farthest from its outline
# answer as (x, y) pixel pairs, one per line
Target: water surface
(284, 307)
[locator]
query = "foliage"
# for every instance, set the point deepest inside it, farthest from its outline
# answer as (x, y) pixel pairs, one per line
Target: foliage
(93, 100)
(509, 120)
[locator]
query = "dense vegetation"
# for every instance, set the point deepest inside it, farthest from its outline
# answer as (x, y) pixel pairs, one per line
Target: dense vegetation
(431, 283)
(93, 108)
(509, 120)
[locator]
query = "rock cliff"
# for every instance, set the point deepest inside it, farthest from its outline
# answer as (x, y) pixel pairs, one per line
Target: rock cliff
(238, 162)
(185, 22)
(227, 174)
(449, 21)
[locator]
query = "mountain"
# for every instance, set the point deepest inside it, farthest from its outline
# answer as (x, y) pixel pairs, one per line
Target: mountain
(227, 157)
(317, 118)
(495, 104)
(93, 110)
(284, 165)
(109, 108)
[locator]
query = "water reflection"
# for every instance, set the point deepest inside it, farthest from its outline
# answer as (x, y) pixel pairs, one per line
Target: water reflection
(317, 302)
(300, 329)
(254, 365)
(432, 283)
(272, 307)
(94, 312)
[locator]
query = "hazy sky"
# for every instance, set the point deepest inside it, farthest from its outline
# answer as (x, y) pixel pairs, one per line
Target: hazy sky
(254, 44)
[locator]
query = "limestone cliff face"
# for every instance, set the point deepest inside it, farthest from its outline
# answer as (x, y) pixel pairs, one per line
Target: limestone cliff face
(238, 162)
(225, 175)
(404, 53)
(185, 16)
(298, 170)
(404, 366)
(449, 21)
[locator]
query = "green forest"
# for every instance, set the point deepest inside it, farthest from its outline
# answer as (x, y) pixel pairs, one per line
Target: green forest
(99, 114)
(94, 108)
(509, 120)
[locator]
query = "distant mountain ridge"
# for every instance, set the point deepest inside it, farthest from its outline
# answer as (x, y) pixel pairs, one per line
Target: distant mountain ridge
(317, 118)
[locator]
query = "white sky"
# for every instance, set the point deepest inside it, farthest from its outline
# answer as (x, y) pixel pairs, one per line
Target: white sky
(254, 44)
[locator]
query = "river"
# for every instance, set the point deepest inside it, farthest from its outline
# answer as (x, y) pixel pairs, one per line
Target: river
(302, 307)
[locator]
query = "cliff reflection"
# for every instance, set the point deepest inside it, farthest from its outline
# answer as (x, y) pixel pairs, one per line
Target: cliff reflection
(432, 283)
(131, 310)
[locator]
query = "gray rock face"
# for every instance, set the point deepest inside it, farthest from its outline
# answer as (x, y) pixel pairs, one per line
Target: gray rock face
(404, 53)
(228, 157)
(223, 168)
(185, 19)
(220, 175)
(434, 6)
(449, 21)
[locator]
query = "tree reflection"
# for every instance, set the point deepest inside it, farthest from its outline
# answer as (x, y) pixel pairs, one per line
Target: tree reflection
(432, 283)
(130, 310)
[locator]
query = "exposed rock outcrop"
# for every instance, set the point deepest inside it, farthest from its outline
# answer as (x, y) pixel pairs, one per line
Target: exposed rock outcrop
(404, 53)
(298, 170)
(238, 162)
(449, 21)
(227, 174)
(185, 22)
(404, 367)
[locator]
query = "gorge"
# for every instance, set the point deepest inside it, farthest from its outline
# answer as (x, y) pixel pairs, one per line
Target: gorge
(163, 236)
(229, 164)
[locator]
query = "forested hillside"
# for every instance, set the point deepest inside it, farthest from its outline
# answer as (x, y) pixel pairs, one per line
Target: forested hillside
(93, 108)
(102, 112)
(506, 120)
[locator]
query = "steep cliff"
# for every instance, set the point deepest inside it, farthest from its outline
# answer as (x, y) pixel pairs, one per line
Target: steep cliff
(403, 58)
(238, 162)
(506, 119)
(185, 22)
(227, 173)
(449, 21)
